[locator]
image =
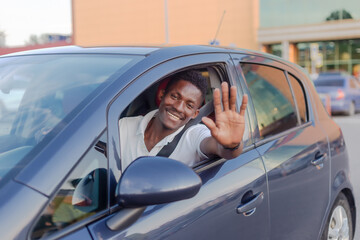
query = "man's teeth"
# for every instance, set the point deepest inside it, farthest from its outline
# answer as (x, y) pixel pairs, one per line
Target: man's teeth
(173, 116)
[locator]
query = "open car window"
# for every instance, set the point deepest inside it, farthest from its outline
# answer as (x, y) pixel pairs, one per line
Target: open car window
(149, 100)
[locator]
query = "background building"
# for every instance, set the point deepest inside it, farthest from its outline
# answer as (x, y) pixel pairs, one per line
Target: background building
(123, 22)
(320, 35)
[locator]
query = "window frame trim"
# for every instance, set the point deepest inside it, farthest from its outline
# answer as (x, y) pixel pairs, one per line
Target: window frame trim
(284, 68)
(294, 96)
(282, 134)
(156, 72)
(284, 71)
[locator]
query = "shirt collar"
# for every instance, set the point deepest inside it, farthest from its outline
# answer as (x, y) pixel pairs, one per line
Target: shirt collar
(145, 121)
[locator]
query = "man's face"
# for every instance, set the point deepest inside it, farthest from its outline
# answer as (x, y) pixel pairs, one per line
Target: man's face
(179, 104)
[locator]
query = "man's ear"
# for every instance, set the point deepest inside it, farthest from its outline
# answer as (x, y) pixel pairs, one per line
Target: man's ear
(196, 113)
(161, 94)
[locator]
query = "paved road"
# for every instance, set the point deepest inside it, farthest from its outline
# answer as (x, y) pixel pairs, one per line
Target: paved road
(351, 130)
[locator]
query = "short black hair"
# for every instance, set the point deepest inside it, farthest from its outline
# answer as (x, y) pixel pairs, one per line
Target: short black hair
(192, 76)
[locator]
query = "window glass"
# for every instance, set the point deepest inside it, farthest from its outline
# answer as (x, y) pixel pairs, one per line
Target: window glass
(330, 50)
(38, 92)
(355, 48)
(82, 194)
(272, 99)
(276, 49)
(300, 98)
(276, 13)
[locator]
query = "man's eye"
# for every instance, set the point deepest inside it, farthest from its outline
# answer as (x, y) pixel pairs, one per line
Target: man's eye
(173, 96)
(190, 106)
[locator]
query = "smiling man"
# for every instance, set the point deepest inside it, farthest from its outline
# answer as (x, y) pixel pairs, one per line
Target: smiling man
(180, 102)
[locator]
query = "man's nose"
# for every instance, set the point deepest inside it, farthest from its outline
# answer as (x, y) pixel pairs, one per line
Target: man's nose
(179, 106)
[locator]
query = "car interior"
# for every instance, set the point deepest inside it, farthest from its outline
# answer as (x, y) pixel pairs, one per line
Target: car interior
(149, 99)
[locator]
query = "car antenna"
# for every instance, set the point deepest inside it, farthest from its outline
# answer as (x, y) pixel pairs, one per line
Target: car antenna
(213, 42)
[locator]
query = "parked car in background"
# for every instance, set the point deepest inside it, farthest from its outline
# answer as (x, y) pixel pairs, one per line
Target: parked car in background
(343, 89)
(61, 175)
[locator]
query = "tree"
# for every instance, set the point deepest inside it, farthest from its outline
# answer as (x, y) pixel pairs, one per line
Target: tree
(338, 15)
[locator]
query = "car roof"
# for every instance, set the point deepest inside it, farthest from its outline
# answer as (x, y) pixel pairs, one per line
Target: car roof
(158, 53)
(140, 50)
(79, 50)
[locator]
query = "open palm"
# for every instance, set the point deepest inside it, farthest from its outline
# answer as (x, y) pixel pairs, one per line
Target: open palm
(229, 124)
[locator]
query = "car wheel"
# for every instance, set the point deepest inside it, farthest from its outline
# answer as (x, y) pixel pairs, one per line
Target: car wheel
(351, 110)
(339, 224)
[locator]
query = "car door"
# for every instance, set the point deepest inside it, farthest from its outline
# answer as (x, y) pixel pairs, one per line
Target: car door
(233, 200)
(293, 147)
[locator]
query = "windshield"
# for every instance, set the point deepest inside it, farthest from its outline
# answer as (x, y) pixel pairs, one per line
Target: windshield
(329, 83)
(38, 92)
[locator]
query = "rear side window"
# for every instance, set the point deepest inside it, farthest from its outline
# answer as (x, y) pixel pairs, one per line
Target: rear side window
(300, 98)
(272, 98)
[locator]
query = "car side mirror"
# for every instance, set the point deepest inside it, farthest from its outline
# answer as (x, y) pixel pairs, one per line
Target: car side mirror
(150, 181)
(156, 180)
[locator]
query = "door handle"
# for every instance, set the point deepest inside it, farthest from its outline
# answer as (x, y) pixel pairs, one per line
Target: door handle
(249, 208)
(319, 160)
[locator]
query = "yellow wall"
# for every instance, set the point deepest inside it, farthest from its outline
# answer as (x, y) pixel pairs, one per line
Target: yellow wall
(138, 22)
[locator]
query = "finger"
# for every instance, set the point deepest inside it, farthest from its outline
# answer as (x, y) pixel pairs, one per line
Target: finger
(217, 101)
(243, 105)
(209, 123)
(233, 98)
(225, 95)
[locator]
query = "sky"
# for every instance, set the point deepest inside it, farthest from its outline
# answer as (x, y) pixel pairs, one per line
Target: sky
(21, 18)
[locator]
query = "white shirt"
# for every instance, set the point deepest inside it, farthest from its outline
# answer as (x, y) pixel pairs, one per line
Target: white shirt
(132, 144)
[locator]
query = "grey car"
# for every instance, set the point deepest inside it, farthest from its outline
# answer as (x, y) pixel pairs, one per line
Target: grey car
(343, 89)
(61, 174)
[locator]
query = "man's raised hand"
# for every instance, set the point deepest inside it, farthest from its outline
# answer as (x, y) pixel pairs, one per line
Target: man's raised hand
(228, 128)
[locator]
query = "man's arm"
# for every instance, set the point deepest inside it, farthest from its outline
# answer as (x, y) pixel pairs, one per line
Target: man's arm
(228, 129)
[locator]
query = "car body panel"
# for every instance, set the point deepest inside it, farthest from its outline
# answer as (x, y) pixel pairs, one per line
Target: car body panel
(27, 203)
(82, 234)
(212, 209)
(288, 161)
